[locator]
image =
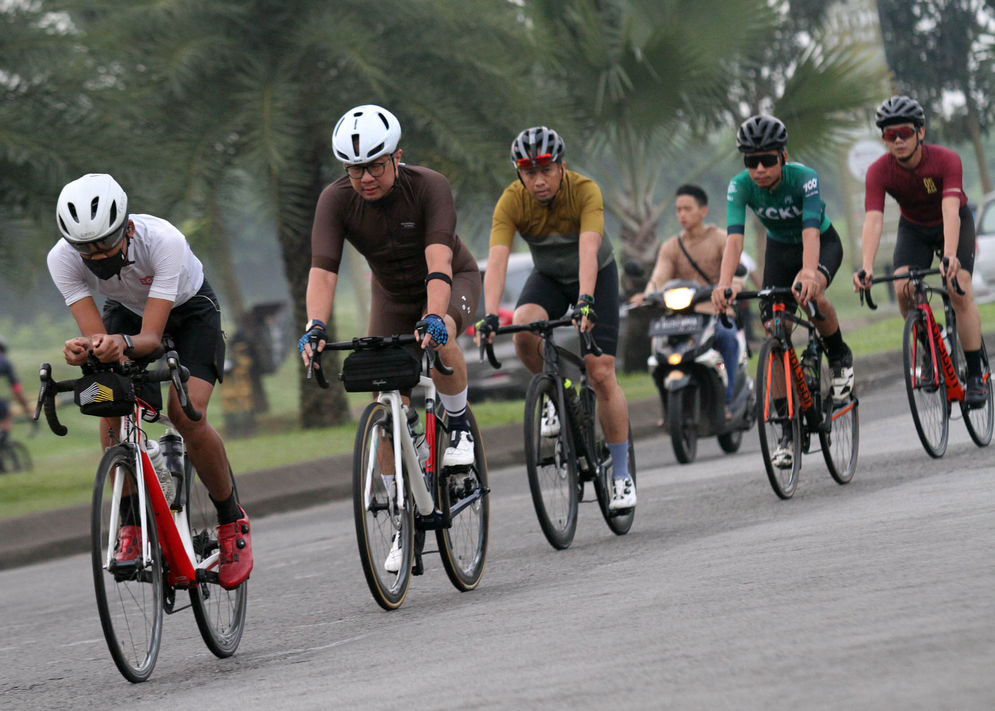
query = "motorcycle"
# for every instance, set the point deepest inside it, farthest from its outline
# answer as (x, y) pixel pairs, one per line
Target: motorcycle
(690, 373)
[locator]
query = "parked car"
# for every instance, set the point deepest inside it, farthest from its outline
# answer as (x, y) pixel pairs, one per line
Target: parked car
(984, 258)
(512, 380)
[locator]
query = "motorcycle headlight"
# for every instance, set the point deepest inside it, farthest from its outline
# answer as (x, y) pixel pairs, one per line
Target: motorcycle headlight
(678, 299)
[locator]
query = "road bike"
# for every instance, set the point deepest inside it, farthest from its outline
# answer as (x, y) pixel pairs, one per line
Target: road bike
(934, 365)
(14, 455)
(400, 488)
(559, 462)
(179, 552)
(795, 401)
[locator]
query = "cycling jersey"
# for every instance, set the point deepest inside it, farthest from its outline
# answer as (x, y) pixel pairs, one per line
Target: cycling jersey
(552, 230)
(920, 191)
(160, 265)
(794, 205)
(392, 232)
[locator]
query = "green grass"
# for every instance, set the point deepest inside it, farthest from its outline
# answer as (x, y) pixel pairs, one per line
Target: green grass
(64, 466)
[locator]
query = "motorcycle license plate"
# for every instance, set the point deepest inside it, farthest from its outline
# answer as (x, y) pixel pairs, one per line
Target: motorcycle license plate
(675, 325)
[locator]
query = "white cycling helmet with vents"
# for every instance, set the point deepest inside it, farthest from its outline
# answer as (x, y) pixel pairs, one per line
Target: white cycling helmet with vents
(365, 133)
(92, 209)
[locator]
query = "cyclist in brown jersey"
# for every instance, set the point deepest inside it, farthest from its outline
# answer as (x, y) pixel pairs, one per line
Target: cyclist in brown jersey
(926, 181)
(402, 219)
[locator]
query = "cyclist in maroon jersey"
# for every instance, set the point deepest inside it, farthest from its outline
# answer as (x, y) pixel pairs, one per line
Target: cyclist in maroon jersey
(926, 181)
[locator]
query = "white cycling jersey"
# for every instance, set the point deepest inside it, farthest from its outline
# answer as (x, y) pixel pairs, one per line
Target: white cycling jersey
(164, 268)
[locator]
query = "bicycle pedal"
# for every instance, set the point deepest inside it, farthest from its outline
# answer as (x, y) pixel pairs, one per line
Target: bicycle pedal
(453, 469)
(417, 568)
(432, 522)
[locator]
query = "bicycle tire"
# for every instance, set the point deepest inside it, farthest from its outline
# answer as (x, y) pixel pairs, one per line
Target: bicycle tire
(378, 521)
(14, 457)
(551, 464)
(979, 420)
(129, 598)
(619, 522)
(925, 387)
(682, 423)
(730, 441)
(220, 613)
(463, 545)
(773, 423)
(841, 444)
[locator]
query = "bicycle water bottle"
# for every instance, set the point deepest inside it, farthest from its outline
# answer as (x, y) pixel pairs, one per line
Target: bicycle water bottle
(946, 340)
(417, 431)
(810, 365)
(171, 446)
(161, 472)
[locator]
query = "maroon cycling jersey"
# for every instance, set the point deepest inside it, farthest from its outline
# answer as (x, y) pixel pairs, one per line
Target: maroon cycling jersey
(918, 192)
(392, 232)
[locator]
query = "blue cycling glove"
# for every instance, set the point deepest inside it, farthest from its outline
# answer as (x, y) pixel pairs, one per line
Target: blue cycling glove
(434, 326)
(314, 335)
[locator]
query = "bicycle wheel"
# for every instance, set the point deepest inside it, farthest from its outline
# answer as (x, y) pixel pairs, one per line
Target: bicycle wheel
(462, 496)
(979, 420)
(551, 463)
(619, 522)
(129, 595)
(220, 613)
(778, 428)
(840, 444)
(378, 518)
(682, 422)
(14, 457)
(925, 387)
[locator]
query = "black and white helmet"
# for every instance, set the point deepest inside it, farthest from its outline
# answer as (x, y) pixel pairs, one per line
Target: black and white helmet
(365, 133)
(761, 133)
(93, 208)
(900, 109)
(533, 144)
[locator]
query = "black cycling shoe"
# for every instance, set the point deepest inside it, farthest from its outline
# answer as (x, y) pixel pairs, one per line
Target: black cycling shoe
(977, 392)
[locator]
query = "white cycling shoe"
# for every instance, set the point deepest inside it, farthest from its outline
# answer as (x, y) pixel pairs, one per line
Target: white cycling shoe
(549, 425)
(623, 494)
(393, 562)
(459, 453)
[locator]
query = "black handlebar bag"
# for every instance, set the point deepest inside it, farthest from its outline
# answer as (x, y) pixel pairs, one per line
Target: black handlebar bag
(104, 394)
(394, 368)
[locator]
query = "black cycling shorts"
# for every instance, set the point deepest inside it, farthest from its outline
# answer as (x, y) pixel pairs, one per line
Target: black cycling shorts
(915, 245)
(783, 262)
(194, 326)
(556, 298)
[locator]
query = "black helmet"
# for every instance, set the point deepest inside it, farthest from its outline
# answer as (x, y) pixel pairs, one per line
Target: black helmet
(900, 109)
(761, 133)
(534, 143)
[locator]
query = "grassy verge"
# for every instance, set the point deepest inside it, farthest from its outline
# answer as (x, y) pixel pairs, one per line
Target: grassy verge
(64, 466)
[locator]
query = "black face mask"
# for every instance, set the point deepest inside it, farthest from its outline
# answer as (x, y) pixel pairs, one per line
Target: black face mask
(106, 268)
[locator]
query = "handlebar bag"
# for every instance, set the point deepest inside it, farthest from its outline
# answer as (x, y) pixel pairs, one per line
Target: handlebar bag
(104, 394)
(393, 368)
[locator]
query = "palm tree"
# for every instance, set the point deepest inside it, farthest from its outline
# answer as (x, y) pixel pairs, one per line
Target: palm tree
(225, 89)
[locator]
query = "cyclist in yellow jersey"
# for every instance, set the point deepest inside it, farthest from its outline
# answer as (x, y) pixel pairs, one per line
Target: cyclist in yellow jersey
(560, 215)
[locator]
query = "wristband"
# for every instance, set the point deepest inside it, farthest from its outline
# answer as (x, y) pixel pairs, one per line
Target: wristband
(586, 298)
(129, 345)
(441, 276)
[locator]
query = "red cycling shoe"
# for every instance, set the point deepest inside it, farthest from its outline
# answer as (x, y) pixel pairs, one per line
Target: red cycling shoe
(235, 547)
(129, 539)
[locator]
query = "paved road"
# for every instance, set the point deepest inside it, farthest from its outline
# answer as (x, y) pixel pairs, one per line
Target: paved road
(873, 595)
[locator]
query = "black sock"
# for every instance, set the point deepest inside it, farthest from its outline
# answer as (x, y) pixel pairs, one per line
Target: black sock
(228, 510)
(835, 347)
(457, 421)
(973, 359)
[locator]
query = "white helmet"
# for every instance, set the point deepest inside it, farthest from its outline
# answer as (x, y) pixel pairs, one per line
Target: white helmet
(365, 133)
(91, 209)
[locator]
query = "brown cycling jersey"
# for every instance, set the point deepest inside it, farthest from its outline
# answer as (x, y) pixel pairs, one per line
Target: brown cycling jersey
(392, 232)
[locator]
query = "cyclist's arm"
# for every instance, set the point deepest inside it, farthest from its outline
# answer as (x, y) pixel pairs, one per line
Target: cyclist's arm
(587, 271)
(494, 277)
(808, 275)
(950, 206)
(870, 238)
(320, 294)
(439, 258)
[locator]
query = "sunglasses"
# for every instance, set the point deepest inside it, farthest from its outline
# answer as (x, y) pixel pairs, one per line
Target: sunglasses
(767, 160)
(893, 134)
(526, 163)
(105, 244)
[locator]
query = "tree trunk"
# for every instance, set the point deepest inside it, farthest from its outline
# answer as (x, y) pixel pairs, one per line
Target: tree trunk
(318, 407)
(974, 129)
(226, 280)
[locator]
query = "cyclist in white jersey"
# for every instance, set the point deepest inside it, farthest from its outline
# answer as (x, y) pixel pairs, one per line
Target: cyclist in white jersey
(154, 285)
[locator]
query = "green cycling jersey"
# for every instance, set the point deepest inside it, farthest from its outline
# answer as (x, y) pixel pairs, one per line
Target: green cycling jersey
(793, 205)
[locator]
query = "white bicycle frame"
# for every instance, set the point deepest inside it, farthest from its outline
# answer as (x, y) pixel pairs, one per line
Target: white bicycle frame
(422, 496)
(179, 536)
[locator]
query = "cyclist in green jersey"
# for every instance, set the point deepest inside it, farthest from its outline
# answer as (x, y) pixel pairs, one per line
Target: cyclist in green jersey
(802, 245)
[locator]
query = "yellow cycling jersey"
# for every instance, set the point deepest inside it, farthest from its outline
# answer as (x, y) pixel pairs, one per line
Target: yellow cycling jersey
(552, 230)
